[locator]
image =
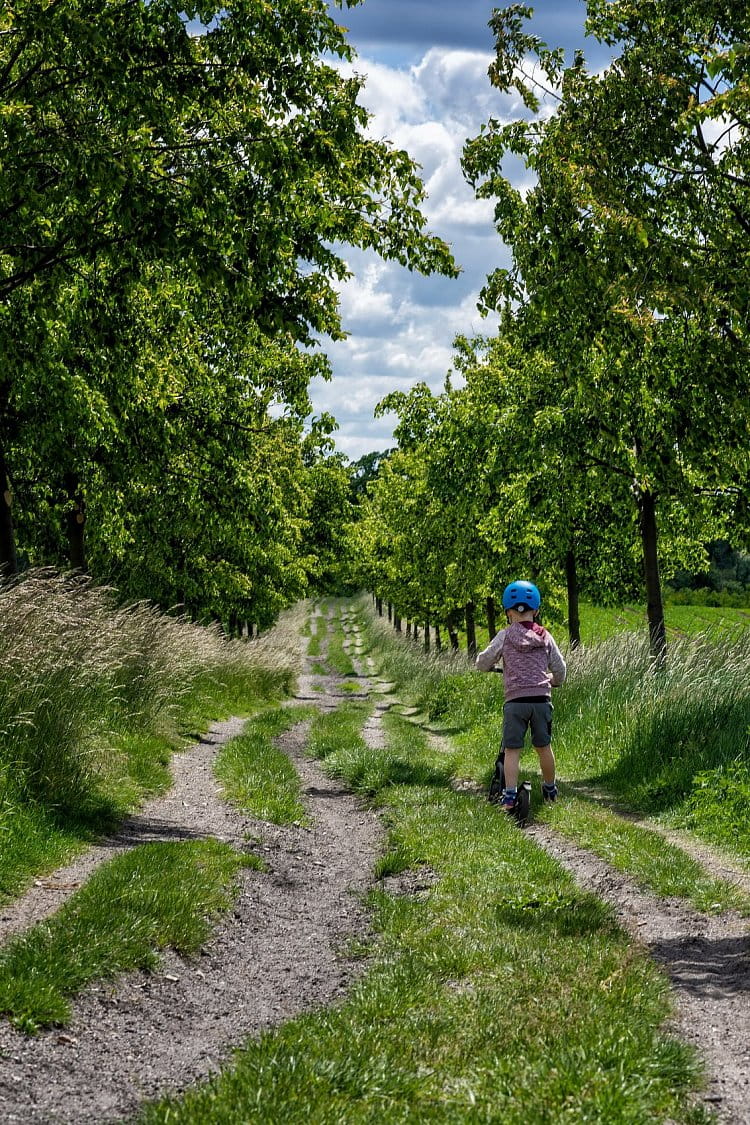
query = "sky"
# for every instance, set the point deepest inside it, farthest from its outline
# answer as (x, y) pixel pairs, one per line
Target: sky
(425, 64)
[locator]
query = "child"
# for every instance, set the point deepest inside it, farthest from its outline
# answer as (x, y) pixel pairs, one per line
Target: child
(532, 666)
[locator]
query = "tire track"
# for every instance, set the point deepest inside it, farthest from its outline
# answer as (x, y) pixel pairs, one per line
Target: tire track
(278, 953)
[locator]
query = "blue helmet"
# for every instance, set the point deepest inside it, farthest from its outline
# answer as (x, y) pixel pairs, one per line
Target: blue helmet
(521, 596)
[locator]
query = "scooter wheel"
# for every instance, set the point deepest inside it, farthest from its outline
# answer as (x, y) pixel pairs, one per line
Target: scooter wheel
(498, 781)
(523, 804)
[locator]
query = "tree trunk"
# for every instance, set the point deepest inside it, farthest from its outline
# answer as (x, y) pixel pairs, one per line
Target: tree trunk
(379, 606)
(75, 524)
(8, 556)
(438, 639)
(657, 631)
(451, 627)
(574, 618)
(390, 612)
(491, 619)
(427, 635)
(397, 623)
(471, 631)
(408, 628)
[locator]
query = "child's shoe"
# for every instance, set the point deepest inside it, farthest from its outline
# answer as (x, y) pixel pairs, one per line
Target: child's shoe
(509, 800)
(549, 793)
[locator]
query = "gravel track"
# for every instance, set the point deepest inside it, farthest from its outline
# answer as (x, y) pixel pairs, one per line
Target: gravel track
(279, 952)
(706, 958)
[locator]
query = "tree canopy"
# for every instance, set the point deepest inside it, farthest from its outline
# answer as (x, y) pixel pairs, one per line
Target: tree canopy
(594, 431)
(178, 186)
(626, 259)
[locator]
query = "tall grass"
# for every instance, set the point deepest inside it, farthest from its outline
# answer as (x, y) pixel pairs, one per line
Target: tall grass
(674, 743)
(94, 695)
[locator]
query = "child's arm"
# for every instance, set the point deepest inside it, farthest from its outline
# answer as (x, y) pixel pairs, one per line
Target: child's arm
(489, 656)
(557, 665)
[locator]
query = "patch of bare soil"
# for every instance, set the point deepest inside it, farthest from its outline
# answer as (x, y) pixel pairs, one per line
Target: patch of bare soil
(280, 951)
(721, 865)
(706, 958)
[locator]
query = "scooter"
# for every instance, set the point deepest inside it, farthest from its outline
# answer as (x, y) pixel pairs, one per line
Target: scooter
(520, 811)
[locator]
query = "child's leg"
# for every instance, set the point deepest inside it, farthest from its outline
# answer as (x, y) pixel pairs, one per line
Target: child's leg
(512, 758)
(546, 763)
(515, 723)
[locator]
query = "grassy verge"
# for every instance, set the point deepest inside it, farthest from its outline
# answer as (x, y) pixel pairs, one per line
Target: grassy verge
(496, 989)
(257, 776)
(674, 745)
(154, 896)
(94, 699)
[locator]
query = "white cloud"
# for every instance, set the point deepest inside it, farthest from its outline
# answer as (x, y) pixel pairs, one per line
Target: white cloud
(455, 84)
(393, 97)
(402, 325)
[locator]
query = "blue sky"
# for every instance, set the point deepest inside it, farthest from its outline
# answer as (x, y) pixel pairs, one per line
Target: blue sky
(425, 63)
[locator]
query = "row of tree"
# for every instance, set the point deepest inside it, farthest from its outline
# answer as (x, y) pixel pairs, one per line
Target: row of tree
(177, 185)
(603, 435)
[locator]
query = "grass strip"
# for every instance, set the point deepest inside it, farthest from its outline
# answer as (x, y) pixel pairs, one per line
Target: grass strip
(497, 989)
(338, 657)
(655, 863)
(316, 638)
(153, 897)
(336, 737)
(257, 776)
(33, 840)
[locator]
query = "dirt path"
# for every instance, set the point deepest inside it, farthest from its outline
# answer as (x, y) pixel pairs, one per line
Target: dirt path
(278, 953)
(707, 960)
(280, 950)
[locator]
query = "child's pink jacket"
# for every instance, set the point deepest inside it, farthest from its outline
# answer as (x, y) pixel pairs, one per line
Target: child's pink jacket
(528, 653)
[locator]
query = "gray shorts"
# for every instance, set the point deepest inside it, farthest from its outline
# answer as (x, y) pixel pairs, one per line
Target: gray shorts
(519, 715)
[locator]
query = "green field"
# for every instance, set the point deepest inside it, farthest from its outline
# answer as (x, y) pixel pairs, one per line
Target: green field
(599, 623)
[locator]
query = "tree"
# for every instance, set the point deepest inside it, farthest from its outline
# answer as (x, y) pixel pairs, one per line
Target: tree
(326, 538)
(620, 249)
(238, 153)
(365, 470)
(154, 178)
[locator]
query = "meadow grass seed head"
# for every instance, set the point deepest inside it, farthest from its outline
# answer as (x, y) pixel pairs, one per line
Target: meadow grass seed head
(75, 662)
